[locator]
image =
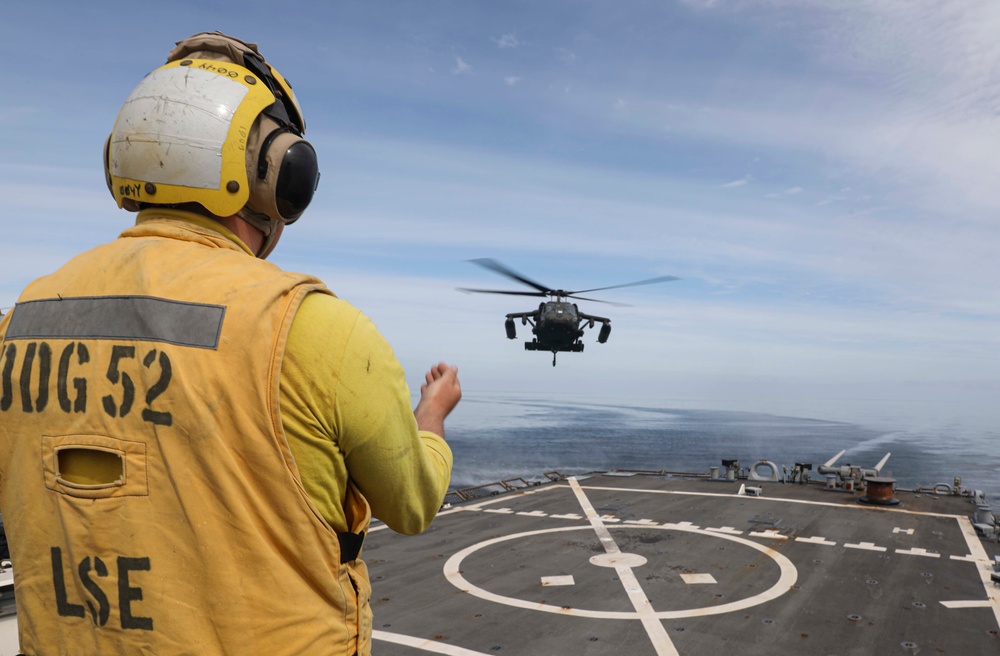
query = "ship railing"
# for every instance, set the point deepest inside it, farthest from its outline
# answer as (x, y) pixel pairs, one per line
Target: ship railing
(486, 489)
(660, 472)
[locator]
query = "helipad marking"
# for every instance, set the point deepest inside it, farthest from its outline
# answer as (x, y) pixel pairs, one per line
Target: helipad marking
(567, 516)
(916, 551)
(433, 646)
(867, 546)
(725, 529)
(770, 534)
(618, 560)
(816, 540)
(558, 580)
(533, 513)
(695, 579)
(641, 522)
(499, 511)
(785, 581)
(643, 608)
(908, 531)
(610, 518)
(977, 550)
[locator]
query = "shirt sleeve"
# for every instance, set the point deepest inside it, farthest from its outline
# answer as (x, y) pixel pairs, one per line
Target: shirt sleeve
(345, 398)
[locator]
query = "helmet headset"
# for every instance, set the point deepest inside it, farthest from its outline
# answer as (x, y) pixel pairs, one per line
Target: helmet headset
(219, 127)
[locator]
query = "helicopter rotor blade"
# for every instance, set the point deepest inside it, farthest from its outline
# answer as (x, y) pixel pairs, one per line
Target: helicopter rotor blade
(496, 267)
(650, 281)
(501, 291)
(597, 300)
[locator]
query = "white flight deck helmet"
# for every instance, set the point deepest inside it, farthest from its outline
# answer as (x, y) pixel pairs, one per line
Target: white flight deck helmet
(217, 126)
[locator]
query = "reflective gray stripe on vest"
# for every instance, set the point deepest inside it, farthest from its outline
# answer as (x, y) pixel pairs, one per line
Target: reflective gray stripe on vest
(133, 318)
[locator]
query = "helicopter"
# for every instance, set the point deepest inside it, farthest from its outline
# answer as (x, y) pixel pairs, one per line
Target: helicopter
(557, 324)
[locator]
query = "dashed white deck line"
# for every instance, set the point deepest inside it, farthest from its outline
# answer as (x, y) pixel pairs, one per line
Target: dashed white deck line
(817, 540)
(680, 525)
(916, 551)
(971, 603)
(969, 558)
(770, 534)
(533, 513)
(856, 508)
(866, 546)
(641, 522)
(643, 608)
(499, 511)
(567, 516)
(908, 531)
(728, 530)
(432, 646)
(698, 579)
(558, 580)
(610, 518)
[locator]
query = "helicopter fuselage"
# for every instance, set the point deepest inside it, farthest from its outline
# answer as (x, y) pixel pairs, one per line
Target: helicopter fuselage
(557, 326)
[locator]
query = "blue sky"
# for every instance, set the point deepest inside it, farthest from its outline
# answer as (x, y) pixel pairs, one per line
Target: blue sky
(821, 175)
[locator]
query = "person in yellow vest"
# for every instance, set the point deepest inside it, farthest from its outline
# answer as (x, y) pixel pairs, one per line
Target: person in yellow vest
(193, 441)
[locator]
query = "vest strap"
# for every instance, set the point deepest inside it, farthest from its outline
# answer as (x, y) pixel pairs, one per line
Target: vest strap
(350, 545)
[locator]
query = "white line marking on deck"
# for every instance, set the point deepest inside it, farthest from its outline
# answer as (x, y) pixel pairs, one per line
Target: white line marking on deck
(967, 558)
(681, 525)
(983, 564)
(867, 546)
(653, 625)
(916, 551)
(770, 534)
(725, 529)
(533, 513)
(453, 573)
(697, 579)
(424, 644)
(558, 580)
(500, 511)
(642, 522)
(567, 516)
(816, 540)
(971, 603)
(908, 531)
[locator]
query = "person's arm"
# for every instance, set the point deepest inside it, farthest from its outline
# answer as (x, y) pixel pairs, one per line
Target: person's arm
(396, 456)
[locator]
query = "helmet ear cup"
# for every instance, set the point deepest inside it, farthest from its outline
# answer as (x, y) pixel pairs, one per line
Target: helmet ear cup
(107, 163)
(126, 203)
(285, 174)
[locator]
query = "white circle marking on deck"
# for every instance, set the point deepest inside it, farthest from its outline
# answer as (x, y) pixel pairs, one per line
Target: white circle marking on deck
(787, 578)
(618, 560)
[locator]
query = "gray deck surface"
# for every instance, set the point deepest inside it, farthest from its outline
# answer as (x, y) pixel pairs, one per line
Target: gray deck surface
(686, 566)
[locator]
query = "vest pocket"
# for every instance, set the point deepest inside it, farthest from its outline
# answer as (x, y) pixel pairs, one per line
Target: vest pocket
(94, 466)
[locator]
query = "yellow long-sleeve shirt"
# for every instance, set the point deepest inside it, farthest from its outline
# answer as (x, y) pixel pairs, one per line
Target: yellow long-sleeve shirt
(346, 412)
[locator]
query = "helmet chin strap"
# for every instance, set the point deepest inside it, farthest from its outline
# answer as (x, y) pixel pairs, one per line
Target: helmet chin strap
(266, 225)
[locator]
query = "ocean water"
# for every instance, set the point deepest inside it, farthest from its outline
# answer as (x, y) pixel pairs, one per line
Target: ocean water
(499, 436)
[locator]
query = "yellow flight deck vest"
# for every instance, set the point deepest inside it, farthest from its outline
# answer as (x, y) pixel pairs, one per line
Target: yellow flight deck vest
(159, 355)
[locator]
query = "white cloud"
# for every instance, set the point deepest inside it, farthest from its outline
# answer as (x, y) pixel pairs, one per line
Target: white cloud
(507, 41)
(742, 182)
(511, 80)
(461, 67)
(565, 55)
